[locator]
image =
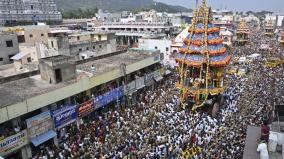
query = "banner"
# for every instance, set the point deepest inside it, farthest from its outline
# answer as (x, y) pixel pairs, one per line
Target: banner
(108, 97)
(64, 116)
(149, 79)
(140, 83)
(13, 143)
(39, 124)
(130, 87)
(86, 108)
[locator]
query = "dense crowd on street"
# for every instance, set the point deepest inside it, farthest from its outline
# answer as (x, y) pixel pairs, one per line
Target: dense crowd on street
(156, 126)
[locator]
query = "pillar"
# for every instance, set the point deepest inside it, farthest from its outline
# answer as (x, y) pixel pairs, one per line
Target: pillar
(26, 152)
(56, 142)
(89, 93)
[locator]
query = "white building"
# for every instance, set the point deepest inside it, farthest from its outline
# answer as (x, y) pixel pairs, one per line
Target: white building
(9, 47)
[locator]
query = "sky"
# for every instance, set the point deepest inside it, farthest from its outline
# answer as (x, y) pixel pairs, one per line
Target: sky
(234, 5)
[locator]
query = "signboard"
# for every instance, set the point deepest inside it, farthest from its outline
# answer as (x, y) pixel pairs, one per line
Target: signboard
(64, 116)
(140, 83)
(108, 97)
(39, 124)
(86, 108)
(149, 79)
(130, 87)
(157, 73)
(13, 143)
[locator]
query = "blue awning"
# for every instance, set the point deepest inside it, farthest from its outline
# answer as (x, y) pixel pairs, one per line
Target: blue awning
(43, 137)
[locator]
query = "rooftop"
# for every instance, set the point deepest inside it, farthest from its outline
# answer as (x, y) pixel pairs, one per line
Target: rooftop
(98, 67)
(22, 89)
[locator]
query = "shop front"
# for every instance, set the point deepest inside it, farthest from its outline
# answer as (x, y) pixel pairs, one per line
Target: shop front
(111, 96)
(40, 129)
(130, 92)
(10, 147)
(64, 117)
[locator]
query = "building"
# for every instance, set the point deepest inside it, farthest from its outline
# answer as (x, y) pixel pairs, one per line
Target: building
(15, 12)
(30, 34)
(65, 86)
(227, 37)
(162, 44)
(81, 45)
(9, 47)
(180, 19)
(129, 33)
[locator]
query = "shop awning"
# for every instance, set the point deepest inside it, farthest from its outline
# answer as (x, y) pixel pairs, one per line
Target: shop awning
(159, 78)
(167, 72)
(139, 87)
(43, 137)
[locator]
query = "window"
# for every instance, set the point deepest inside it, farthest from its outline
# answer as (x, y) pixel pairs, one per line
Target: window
(87, 48)
(29, 59)
(32, 7)
(78, 37)
(100, 37)
(1, 58)
(100, 46)
(31, 35)
(94, 47)
(167, 49)
(42, 34)
(80, 49)
(58, 75)
(156, 47)
(9, 43)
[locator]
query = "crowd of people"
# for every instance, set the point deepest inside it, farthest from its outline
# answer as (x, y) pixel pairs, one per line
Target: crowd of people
(156, 126)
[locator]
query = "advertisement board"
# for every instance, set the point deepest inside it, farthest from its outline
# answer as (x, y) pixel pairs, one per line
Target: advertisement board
(108, 97)
(39, 124)
(64, 116)
(130, 87)
(13, 143)
(86, 108)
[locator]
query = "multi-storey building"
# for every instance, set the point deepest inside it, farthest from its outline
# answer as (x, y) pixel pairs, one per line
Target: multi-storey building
(14, 12)
(8, 47)
(63, 84)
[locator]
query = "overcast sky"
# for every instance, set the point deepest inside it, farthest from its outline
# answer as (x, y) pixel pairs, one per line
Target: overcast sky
(234, 5)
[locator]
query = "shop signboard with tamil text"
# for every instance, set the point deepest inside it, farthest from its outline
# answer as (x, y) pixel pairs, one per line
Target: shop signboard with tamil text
(85, 108)
(64, 116)
(108, 97)
(13, 143)
(39, 124)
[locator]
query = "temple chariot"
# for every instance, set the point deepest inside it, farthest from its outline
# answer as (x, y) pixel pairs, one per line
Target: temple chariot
(202, 63)
(242, 33)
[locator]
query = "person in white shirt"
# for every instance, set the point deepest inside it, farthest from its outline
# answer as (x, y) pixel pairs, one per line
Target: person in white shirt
(262, 148)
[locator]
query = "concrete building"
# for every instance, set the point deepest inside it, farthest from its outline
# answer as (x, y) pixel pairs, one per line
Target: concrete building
(81, 45)
(62, 85)
(227, 36)
(9, 47)
(15, 12)
(129, 33)
(30, 34)
(162, 44)
(180, 19)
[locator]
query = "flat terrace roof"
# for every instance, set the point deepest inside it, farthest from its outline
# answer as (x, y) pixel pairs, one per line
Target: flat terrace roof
(22, 89)
(98, 67)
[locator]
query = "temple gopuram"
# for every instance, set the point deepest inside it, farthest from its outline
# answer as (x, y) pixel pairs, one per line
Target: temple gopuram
(202, 61)
(269, 28)
(243, 33)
